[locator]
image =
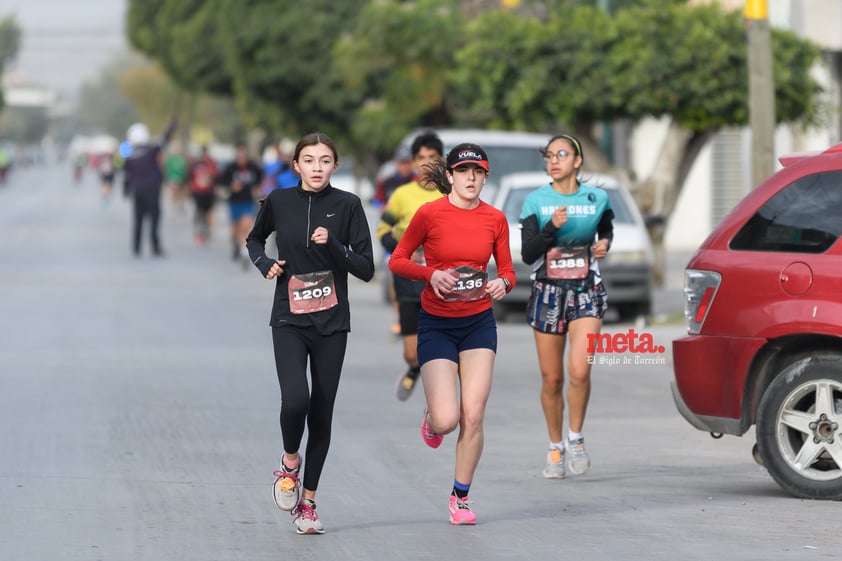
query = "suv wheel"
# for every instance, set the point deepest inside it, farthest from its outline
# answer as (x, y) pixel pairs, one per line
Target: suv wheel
(799, 427)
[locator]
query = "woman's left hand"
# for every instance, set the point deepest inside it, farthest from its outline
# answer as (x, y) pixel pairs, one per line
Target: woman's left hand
(496, 289)
(600, 249)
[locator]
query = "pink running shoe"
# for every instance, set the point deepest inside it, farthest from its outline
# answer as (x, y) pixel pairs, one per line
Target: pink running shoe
(431, 439)
(460, 512)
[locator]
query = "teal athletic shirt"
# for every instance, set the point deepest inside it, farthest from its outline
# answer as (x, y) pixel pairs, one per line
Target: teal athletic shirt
(585, 210)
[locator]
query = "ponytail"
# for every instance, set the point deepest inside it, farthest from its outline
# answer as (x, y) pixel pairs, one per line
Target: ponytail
(435, 173)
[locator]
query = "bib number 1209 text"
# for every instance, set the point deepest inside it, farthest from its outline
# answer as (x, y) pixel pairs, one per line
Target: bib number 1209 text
(310, 293)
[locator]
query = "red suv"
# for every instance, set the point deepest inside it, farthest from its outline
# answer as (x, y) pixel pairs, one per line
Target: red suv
(764, 314)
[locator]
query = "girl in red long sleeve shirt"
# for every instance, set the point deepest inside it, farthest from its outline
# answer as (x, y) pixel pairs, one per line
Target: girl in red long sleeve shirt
(457, 334)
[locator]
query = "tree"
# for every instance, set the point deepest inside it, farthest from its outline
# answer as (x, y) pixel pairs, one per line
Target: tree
(272, 56)
(102, 106)
(24, 125)
(658, 58)
(183, 36)
(400, 70)
(9, 44)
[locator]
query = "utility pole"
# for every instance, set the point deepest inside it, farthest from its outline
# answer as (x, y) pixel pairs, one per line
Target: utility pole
(606, 140)
(761, 90)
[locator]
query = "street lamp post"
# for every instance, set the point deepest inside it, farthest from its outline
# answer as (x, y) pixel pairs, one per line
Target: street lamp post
(761, 87)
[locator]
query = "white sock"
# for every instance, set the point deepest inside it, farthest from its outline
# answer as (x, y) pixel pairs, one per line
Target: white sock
(571, 436)
(557, 445)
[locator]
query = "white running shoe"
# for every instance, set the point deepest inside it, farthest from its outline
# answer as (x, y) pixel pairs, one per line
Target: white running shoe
(555, 464)
(577, 459)
(306, 519)
(285, 489)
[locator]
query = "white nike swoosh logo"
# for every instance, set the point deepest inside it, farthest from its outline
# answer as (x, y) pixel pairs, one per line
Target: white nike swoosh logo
(329, 215)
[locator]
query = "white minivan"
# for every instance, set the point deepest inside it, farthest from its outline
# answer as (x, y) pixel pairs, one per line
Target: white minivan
(508, 151)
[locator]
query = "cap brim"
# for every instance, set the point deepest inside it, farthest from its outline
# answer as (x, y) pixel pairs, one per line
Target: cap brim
(481, 163)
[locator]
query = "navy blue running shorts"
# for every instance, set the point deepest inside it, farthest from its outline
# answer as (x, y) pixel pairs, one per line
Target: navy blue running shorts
(552, 306)
(443, 337)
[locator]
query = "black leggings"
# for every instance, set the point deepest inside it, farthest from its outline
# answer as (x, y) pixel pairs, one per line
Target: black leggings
(300, 404)
(146, 205)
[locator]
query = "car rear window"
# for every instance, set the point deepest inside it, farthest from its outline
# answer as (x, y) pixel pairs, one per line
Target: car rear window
(504, 160)
(622, 214)
(803, 217)
(514, 203)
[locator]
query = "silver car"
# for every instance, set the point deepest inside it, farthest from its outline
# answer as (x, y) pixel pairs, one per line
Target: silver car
(626, 270)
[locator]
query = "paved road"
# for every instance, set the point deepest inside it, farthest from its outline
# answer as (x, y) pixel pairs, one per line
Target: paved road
(138, 414)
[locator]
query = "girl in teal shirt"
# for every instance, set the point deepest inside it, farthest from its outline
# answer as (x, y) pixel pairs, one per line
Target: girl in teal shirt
(566, 227)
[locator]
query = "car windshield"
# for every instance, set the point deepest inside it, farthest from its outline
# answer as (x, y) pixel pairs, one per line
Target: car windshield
(504, 160)
(514, 203)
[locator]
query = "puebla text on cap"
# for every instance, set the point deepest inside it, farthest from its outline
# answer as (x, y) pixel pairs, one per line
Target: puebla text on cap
(467, 154)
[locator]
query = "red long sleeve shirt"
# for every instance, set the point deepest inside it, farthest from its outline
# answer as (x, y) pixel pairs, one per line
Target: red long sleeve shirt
(453, 237)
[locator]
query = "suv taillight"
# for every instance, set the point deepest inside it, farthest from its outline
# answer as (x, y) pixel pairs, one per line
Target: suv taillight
(699, 289)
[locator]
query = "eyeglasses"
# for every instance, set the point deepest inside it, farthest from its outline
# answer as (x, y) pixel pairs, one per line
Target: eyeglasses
(561, 155)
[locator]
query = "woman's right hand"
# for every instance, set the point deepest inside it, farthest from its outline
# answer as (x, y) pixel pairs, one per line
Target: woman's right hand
(442, 282)
(276, 270)
(560, 216)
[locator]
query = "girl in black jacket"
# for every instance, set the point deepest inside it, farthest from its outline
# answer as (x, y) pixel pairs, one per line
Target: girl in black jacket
(322, 235)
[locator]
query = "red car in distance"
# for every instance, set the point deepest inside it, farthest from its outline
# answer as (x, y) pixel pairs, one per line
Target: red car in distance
(764, 315)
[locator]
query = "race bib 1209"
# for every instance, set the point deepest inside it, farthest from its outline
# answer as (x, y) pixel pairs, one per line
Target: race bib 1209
(312, 292)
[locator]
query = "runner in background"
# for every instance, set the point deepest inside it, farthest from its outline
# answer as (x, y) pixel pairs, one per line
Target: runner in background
(177, 171)
(405, 171)
(106, 170)
(203, 179)
(242, 179)
(143, 179)
(402, 204)
(5, 164)
(287, 176)
(278, 172)
(79, 163)
(403, 174)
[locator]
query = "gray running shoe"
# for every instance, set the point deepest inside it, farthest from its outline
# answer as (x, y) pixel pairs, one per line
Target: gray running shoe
(577, 459)
(555, 464)
(285, 489)
(406, 383)
(306, 519)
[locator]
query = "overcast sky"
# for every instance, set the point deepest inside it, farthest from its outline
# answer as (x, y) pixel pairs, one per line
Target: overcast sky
(65, 42)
